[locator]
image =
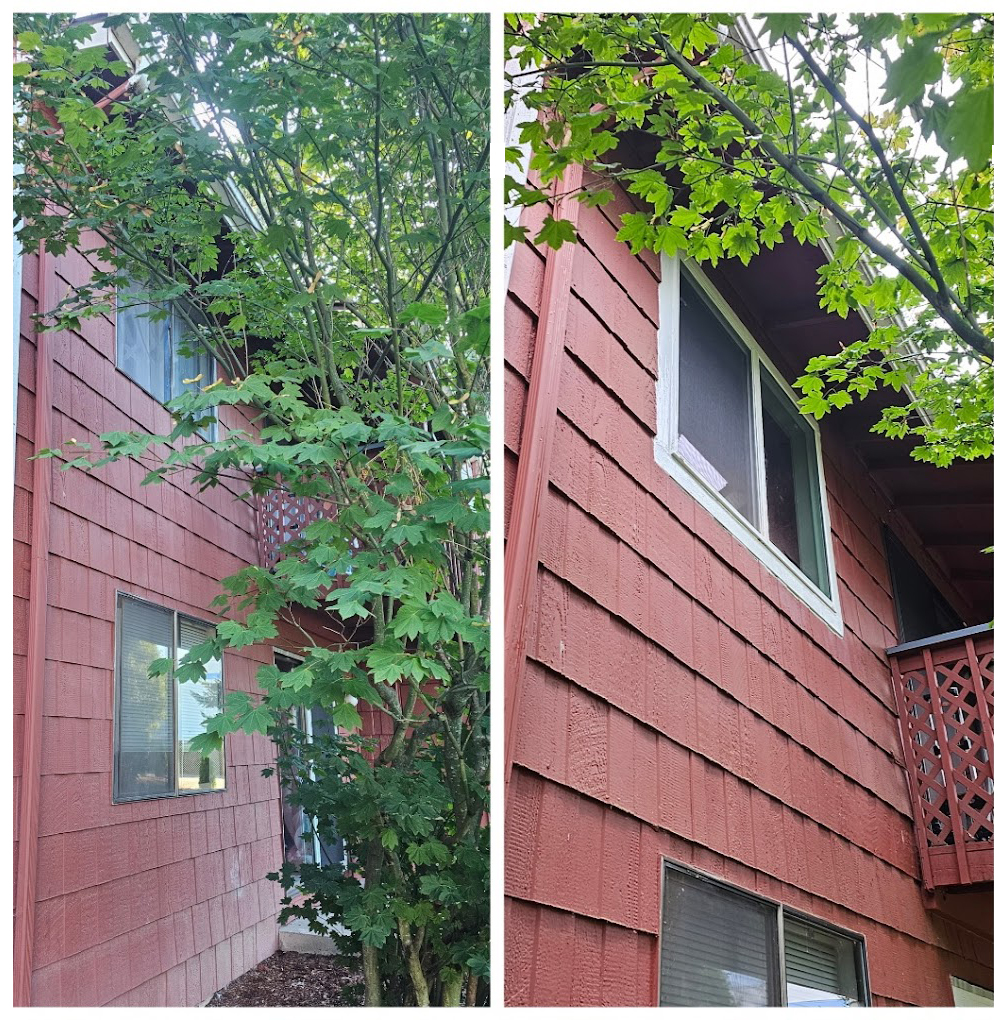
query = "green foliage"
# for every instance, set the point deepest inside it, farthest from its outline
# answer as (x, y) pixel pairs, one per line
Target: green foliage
(870, 134)
(315, 188)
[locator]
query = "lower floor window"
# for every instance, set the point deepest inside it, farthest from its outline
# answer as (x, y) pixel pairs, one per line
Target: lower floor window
(157, 716)
(721, 946)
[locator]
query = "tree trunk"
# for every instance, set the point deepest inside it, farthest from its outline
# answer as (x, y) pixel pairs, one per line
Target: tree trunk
(411, 944)
(452, 994)
(372, 977)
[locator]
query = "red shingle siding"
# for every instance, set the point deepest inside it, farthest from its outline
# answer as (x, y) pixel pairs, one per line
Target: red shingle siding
(678, 700)
(155, 902)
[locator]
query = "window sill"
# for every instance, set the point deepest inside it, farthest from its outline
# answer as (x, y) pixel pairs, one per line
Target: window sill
(180, 795)
(827, 609)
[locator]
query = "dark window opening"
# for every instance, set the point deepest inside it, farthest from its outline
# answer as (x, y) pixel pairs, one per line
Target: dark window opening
(793, 493)
(921, 610)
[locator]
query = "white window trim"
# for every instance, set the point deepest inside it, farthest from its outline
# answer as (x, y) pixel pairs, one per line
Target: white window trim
(666, 452)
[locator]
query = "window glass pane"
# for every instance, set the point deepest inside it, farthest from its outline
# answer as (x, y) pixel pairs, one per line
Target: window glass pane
(330, 844)
(793, 495)
(822, 968)
(198, 701)
(715, 402)
(141, 341)
(718, 947)
(144, 765)
(189, 361)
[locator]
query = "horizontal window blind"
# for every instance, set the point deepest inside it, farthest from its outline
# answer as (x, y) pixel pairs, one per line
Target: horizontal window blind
(718, 947)
(821, 966)
(146, 704)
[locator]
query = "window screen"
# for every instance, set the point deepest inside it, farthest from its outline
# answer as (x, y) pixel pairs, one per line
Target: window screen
(730, 432)
(793, 494)
(715, 402)
(157, 717)
(822, 966)
(718, 947)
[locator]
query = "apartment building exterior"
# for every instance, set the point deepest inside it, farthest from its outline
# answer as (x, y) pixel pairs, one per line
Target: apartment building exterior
(140, 866)
(745, 652)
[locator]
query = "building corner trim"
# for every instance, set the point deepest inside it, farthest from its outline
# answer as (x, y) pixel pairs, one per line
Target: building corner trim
(521, 554)
(38, 598)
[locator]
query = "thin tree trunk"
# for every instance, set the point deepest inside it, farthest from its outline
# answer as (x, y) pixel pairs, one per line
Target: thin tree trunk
(372, 977)
(452, 993)
(411, 944)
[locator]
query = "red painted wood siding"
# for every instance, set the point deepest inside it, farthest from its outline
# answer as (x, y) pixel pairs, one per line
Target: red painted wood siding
(156, 902)
(678, 700)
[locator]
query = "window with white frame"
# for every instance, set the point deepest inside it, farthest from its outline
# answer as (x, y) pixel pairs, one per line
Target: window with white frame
(156, 717)
(730, 432)
(155, 348)
(723, 946)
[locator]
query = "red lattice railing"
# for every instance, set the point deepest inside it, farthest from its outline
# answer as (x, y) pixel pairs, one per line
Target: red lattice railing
(944, 693)
(282, 518)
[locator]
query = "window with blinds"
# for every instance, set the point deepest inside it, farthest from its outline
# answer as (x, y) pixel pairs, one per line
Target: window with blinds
(821, 966)
(718, 946)
(157, 717)
(722, 946)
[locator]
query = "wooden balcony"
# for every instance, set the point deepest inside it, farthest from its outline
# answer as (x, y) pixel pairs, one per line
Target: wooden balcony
(944, 693)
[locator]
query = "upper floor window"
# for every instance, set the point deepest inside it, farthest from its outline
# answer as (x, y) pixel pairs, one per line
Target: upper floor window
(157, 717)
(729, 431)
(155, 348)
(722, 946)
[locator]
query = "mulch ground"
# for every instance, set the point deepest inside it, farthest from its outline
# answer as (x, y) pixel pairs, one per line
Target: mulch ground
(294, 979)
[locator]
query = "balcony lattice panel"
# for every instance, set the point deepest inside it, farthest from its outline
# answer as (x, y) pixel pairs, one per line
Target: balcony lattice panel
(944, 692)
(282, 518)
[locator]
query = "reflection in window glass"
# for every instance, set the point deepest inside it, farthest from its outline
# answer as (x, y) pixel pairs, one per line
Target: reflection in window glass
(715, 402)
(793, 496)
(198, 701)
(142, 341)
